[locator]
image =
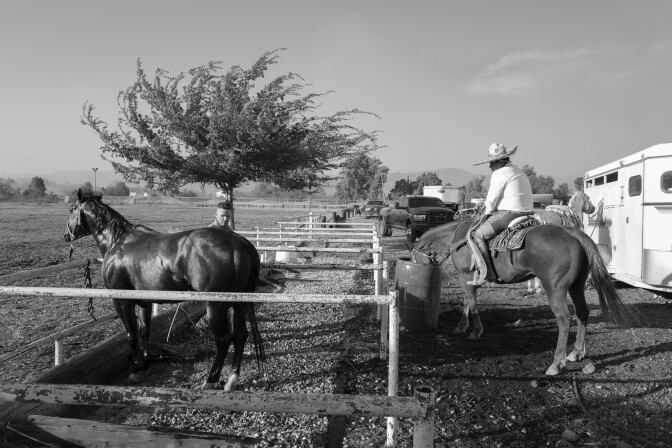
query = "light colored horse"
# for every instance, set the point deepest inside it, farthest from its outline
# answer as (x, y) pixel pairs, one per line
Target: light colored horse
(570, 214)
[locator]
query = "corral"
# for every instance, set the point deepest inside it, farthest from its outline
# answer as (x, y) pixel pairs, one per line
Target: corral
(490, 393)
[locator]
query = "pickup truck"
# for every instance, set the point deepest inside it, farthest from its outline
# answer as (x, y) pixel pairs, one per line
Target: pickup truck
(414, 215)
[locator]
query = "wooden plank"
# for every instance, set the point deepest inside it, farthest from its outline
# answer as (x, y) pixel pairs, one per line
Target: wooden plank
(88, 433)
(40, 272)
(337, 250)
(320, 404)
(182, 296)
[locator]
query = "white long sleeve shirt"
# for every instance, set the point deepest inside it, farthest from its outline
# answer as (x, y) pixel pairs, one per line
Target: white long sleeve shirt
(510, 189)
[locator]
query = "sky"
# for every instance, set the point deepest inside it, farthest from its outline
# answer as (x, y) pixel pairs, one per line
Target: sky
(575, 84)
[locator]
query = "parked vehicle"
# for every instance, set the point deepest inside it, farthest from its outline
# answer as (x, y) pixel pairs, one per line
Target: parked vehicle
(414, 215)
(634, 216)
(372, 208)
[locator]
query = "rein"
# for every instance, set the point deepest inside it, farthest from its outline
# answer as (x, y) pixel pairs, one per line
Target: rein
(440, 257)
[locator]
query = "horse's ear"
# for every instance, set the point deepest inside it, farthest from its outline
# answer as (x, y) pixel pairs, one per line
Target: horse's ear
(80, 195)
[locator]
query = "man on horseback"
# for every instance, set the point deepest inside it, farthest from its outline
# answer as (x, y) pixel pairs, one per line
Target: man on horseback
(509, 197)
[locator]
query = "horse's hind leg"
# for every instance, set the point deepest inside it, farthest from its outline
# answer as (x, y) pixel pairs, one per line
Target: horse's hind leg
(240, 335)
(219, 325)
(558, 301)
(576, 292)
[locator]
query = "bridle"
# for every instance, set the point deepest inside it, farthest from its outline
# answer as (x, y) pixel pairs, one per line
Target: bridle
(438, 258)
(78, 223)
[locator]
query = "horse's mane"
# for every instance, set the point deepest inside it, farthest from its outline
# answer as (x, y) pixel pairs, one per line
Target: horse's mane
(106, 217)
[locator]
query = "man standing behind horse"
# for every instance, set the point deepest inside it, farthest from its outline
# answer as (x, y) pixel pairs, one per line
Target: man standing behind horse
(509, 197)
(223, 215)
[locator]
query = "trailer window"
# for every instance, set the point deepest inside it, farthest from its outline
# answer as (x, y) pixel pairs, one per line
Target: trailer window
(589, 183)
(612, 177)
(635, 185)
(666, 182)
(599, 181)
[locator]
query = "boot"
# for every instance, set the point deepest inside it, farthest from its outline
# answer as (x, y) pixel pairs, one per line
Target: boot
(478, 246)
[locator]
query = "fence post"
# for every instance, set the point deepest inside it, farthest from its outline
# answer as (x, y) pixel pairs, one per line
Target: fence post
(58, 352)
(423, 428)
(384, 317)
(377, 274)
(393, 369)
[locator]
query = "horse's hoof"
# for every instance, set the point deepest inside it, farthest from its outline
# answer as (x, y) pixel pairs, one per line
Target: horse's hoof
(474, 336)
(134, 378)
(209, 386)
(458, 331)
(553, 370)
(575, 356)
(233, 380)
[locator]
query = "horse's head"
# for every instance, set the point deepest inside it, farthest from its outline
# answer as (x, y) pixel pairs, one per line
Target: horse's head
(433, 246)
(76, 226)
(586, 205)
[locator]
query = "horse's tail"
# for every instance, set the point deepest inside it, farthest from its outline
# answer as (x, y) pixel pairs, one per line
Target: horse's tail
(611, 304)
(251, 315)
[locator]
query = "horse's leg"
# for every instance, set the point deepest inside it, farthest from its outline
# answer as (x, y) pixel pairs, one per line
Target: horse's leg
(145, 331)
(219, 325)
(126, 311)
(557, 297)
(240, 335)
(576, 292)
(469, 306)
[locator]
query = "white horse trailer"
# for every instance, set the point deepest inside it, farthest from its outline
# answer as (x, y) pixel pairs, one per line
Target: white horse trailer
(633, 223)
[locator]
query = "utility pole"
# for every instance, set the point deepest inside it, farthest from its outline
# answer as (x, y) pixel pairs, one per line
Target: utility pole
(95, 175)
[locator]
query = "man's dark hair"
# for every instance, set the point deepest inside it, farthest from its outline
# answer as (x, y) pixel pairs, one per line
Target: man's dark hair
(226, 205)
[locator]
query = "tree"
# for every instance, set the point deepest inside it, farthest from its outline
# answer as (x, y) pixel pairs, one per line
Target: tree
(402, 187)
(562, 190)
(539, 184)
(475, 188)
(186, 193)
(205, 126)
(36, 188)
(362, 177)
(578, 183)
(7, 190)
(426, 178)
(117, 189)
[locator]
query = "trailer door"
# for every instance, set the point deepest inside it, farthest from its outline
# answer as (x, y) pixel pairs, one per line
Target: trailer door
(657, 222)
(631, 220)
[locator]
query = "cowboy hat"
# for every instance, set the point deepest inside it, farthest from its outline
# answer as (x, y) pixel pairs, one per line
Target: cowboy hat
(498, 151)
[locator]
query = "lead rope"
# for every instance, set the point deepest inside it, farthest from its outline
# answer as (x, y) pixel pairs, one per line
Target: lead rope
(87, 284)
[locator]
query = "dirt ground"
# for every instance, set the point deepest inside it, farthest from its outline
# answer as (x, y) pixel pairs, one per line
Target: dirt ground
(490, 393)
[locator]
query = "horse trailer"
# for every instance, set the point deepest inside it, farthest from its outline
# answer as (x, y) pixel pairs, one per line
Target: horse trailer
(634, 216)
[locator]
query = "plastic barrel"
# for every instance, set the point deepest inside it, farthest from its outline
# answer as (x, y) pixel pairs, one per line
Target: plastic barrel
(419, 287)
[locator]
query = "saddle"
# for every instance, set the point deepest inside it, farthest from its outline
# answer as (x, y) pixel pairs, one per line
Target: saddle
(513, 237)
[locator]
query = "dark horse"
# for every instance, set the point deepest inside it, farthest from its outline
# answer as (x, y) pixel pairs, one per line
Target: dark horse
(206, 259)
(560, 256)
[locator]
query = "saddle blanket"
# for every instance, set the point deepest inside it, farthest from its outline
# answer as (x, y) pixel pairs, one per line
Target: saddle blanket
(567, 216)
(513, 237)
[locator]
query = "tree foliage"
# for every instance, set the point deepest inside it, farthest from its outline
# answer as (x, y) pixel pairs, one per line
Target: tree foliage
(362, 177)
(36, 188)
(7, 189)
(403, 187)
(210, 127)
(540, 184)
(562, 190)
(475, 188)
(426, 178)
(117, 189)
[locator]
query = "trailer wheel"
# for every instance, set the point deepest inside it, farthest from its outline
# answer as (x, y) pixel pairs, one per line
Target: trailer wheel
(411, 233)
